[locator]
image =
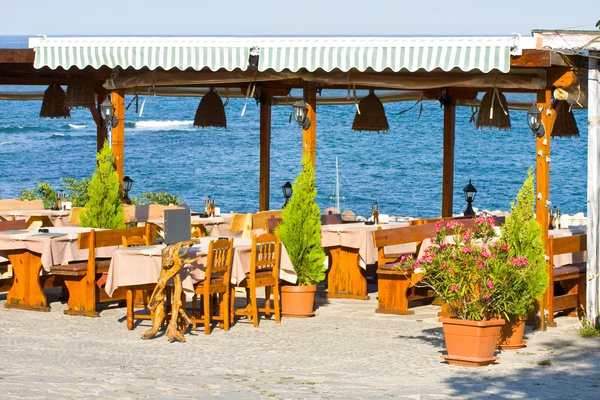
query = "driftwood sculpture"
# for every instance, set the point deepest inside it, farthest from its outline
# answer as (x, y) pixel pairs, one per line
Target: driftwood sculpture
(172, 262)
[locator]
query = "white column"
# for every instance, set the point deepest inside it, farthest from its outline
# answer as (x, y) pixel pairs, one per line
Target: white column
(593, 243)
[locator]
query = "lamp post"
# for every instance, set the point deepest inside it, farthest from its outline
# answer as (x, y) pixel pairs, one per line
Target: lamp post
(287, 192)
(127, 182)
(107, 111)
(300, 114)
(534, 120)
(470, 193)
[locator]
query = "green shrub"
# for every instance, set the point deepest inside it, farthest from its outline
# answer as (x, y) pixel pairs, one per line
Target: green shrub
(301, 228)
(44, 192)
(161, 197)
(104, 208)
(588, 330)
(76, 191)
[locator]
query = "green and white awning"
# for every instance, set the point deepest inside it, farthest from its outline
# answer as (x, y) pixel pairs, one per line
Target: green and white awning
(279, 54)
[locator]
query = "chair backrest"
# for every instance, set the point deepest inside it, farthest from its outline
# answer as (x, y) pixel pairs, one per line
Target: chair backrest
(131, 241)
(16, 204)
(238, 222)
(273, 223)
(265, 254)
(219, 260)
(74, 217)
(567, 244)
(13, 225)
(113, 237)
(259, 220)
(330, 219)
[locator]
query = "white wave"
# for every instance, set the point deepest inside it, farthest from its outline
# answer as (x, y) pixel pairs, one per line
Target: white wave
(163, 125)
(57, 134)
(73, 126)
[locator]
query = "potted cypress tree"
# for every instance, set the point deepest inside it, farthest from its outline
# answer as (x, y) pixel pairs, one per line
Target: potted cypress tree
(300, 232)
(104, 208)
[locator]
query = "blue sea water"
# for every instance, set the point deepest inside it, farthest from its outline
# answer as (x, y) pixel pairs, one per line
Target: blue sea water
(401, 169)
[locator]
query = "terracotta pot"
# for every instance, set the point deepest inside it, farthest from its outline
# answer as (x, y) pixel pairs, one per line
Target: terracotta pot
(471, 343)
(511, 335)
(298, 301)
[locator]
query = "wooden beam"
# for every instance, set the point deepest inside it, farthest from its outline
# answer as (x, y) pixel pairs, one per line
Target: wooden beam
(542, 179)
(118, 132)
(309, 136)
(593, 210)
(532, 58)
(265, 153)
(17, 56)
(101, 131)
(561, 77)
(448, 171)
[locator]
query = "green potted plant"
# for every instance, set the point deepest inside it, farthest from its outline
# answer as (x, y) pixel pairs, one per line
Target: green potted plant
(300, 232)
(525, 277)
(462, 271)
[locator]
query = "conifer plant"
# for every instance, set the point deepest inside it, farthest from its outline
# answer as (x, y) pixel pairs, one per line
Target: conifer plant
(301, 228)
(104, 208)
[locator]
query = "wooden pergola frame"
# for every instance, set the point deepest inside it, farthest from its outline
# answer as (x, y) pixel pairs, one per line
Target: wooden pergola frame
(537, 71)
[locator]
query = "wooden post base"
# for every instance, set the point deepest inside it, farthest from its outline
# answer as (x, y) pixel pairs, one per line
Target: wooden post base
(392, 292)
(26, 292)
(78, 303)
(345, 279)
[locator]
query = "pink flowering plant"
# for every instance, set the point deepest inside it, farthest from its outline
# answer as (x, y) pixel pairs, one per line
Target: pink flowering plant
(465, 271)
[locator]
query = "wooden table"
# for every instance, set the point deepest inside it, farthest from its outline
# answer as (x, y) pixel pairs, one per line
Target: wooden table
(350, 249)
(29, 251)
(40, 218)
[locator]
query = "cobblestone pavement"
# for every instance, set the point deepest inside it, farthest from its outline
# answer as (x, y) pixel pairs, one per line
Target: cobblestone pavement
(346, 351)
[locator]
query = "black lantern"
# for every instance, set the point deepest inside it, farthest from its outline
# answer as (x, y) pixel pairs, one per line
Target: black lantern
(107, 111)
(127, 182)
(534, 120)
(253, 58)
(470, 193)
(287, 192)
(300, 114)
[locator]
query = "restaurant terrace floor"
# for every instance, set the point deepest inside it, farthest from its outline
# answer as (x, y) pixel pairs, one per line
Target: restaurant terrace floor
(346, 351)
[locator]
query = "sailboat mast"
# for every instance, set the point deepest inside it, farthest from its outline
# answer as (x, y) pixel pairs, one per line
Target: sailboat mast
(337, 186)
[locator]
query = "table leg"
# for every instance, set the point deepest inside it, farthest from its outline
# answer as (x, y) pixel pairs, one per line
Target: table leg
(345, 279)
(26, 292)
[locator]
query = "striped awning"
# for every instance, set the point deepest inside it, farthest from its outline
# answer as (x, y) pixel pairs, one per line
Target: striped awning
(279, 54)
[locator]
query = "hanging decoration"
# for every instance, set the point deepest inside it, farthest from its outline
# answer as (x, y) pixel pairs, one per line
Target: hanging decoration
(211, 111)
(565, 124)
(80, 94)
(370, 115)
(493, 112)
(53, 104)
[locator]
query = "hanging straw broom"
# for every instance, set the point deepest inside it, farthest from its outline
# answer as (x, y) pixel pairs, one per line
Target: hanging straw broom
(493, 112)
(370, 115)
(80, 94)
(53, 104)
(211, 111)
(565, 124)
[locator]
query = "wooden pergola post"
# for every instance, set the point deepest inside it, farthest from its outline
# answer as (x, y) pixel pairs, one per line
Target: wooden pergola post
(542, 180)
(118, 132)
(265, 153)
(448, 172)
(593, 208)
(101, 131)
(309, 136)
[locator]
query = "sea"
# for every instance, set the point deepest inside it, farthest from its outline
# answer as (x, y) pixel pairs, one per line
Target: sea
(401, 169)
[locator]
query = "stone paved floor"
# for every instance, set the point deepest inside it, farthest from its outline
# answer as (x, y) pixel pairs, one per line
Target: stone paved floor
(346, 351)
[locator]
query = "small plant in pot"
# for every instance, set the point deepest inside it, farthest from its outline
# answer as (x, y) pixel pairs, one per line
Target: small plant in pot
(300, 232)
(524, 277)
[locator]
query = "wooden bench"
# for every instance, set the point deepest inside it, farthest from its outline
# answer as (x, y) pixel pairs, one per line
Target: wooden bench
(85, 280)
(397, 288)
(569, 281)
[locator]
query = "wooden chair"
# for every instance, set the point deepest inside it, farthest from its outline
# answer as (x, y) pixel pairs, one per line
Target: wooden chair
(198, 230)
(264, 272)
(238, 222)
(259, 220)
(273, 223)
(139, 294)
(15, 225)
(568, 280)
(217, 281)
(74, 216)
(84, 279)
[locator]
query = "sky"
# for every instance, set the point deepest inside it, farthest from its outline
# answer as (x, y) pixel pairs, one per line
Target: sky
(282, 18)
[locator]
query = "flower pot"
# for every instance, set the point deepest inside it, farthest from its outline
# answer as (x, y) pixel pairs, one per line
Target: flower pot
(511, 335)
(298, 301)
(471, 343)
